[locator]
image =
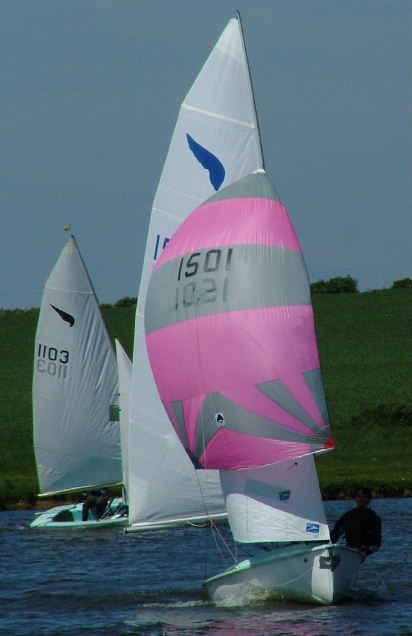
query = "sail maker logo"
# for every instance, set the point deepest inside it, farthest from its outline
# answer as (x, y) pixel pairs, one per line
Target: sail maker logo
(217, 174)
(64, 315)
(313, 528)
(220, 420)
(209, 161)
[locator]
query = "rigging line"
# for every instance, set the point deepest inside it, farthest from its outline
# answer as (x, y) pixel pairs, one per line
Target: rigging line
(202, 494)
(196, 303)
(216, 533)
(218, 546)
(208, 519)
(233, 553)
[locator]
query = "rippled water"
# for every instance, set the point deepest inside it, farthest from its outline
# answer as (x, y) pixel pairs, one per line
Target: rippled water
(105, 582)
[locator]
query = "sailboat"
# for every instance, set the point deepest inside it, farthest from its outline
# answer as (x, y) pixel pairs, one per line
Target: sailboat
(75, 384)
(230, 299)
(215, 142)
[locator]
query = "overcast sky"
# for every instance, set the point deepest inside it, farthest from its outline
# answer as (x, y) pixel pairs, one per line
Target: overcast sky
(90, 92)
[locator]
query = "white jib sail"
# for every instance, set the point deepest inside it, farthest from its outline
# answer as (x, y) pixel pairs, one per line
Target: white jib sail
(275, 503)
(124, 367)
(74, 383)
(216, 128)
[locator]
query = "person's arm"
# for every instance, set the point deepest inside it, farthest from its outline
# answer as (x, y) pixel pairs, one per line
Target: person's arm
(338, 529)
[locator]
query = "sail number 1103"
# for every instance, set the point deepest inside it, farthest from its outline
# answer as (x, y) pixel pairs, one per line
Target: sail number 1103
(52, 360)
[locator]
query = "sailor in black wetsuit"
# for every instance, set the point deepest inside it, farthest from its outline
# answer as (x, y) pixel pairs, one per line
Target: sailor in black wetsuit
(360, 526)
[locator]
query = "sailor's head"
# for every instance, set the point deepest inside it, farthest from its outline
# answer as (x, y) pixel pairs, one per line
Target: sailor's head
(363, 497)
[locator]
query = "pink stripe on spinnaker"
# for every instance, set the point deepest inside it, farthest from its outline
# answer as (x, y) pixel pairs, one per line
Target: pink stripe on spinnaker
(233, 450)
(201, 356)
(243, 221)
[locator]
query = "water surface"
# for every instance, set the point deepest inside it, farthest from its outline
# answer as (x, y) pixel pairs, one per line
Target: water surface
(106, 582)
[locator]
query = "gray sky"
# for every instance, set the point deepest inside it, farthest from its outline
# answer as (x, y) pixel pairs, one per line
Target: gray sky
(90, 92)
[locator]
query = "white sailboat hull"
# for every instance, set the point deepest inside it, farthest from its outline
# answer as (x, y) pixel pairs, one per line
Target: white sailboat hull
(70, 516)
(321, 575)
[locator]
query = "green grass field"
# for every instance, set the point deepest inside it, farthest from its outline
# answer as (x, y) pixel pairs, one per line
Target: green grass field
(366, 351)
(365, 348)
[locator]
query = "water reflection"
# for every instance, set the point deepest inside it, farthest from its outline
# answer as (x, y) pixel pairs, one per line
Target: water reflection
(269, 619)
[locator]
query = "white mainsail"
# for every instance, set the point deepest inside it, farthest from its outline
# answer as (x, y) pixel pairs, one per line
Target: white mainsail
(74, 383)
(216, 141)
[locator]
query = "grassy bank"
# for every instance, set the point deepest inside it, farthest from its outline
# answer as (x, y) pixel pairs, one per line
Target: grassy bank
(365, 347)
(366, 351)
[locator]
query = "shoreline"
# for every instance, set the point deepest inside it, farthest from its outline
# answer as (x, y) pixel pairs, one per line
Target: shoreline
(331, 493)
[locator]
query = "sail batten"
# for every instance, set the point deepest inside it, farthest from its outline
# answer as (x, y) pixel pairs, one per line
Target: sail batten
(246, 124)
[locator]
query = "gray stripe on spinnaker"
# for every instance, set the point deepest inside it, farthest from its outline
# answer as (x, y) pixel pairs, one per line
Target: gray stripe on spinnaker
(236, 418)
(278, 393)
(256, 184)
(259, 276)
(180, 422)
(314, 380)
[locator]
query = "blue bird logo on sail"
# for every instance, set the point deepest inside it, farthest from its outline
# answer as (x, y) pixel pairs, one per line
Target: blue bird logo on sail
(209, 161)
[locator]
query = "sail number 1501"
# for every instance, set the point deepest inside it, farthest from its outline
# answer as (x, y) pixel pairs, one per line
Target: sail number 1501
(208, 267)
